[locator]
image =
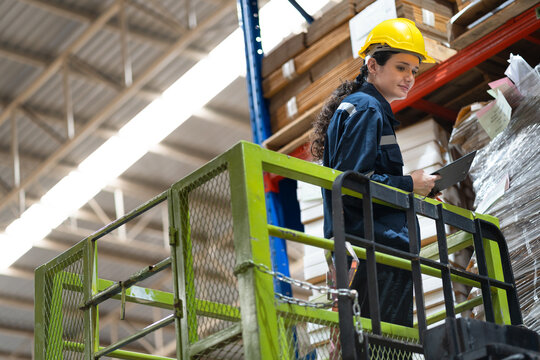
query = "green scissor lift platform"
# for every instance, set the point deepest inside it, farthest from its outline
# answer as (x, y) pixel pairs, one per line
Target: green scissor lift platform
(245, 319)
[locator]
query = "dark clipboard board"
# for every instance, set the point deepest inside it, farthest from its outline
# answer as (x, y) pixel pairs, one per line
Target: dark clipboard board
(452, 173)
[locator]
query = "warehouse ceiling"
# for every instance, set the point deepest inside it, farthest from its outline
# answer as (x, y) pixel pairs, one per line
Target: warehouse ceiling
(73, 73)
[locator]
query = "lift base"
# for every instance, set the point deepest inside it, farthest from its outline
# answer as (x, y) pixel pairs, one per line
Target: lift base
(469, 339)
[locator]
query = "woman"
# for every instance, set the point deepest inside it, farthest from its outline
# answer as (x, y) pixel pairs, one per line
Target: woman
(355, 131)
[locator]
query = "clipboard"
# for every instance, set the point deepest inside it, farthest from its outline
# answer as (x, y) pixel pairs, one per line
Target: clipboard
(452, 173)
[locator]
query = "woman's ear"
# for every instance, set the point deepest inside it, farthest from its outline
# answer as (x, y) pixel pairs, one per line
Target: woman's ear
(372, 65)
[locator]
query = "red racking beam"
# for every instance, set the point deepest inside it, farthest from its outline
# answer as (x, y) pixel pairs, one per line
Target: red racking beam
(435, 109)
(513, 30)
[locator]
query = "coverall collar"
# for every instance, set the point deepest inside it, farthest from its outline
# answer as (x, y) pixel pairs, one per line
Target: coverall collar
(370, 89)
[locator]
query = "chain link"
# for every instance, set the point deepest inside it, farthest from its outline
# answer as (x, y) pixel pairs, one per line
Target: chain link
(300, 302)
(353, 294)
(302, 284)
(357, 321)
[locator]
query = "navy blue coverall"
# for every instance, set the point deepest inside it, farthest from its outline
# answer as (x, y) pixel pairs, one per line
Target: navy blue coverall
(361, 137)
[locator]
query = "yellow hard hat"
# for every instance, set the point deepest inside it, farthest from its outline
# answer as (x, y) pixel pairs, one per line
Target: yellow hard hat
(396, 34)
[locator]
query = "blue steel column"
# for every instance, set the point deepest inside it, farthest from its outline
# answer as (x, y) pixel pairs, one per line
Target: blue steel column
(248, 16)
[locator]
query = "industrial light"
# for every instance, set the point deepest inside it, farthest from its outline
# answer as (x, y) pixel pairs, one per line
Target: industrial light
(181, 100)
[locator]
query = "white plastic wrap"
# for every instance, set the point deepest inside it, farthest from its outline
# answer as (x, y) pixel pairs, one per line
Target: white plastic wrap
(514, 154)
(468, 135)
(527, 79)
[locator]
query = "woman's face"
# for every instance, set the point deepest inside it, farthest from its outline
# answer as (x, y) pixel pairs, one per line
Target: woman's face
(395, 78)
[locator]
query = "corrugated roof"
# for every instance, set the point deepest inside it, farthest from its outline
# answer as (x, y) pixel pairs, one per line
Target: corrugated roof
(32, 35)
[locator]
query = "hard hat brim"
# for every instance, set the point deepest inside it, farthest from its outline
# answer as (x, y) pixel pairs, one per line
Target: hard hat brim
(425, 58)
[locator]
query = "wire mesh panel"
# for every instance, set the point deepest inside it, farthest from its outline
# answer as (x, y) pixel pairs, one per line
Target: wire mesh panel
(58, 303)
(382, 352)
(309, 337)
(207, 236)
(232, 350)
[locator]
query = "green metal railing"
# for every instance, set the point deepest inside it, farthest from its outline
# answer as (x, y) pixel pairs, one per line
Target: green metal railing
(221, 307)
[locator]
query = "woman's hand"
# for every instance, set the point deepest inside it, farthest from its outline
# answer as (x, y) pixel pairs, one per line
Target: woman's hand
(423, 182)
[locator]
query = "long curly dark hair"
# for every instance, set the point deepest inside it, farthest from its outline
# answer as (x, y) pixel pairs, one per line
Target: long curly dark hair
(320, 125)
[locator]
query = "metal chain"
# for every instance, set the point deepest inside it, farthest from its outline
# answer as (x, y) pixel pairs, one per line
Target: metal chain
(303, 284)
(357, 322)
(300, 302)
(321, 289)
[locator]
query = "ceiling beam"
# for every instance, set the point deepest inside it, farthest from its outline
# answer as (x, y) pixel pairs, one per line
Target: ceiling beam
(37, 120)
(130, 187)
(81, 67)
(77, 66)
(57, 63)
(161, 149)
(17, 302)
(149, 248)
(15, 356)
(221, 118)
(14, 331)
(179, 155)
(135, 189)
(134, 32)
(152, 228)
(158, 13)
(18, 273)
(23, 57)
(194, 53)
(87, 17)
(7, 159)
(169, 349)
(44, 117)
(120, 99)
(148, 228)
(4, 187)
(157, 254)
(152, 253)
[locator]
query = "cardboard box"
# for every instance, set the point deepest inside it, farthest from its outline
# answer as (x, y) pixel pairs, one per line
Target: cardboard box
(288, 49)
(421, 133)
(422, 157)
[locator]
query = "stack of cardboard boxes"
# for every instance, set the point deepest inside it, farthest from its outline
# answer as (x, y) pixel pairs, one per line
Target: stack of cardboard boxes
(299, 75)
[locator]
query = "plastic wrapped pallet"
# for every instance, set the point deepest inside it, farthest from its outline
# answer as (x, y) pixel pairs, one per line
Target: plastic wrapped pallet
(467, 134)
(509, 165)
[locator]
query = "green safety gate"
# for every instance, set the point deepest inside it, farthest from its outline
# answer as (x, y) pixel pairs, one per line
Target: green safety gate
(219, 213)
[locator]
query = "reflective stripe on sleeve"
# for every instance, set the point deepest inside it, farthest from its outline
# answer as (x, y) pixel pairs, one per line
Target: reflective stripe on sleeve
(348, 107)
(388, 140)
